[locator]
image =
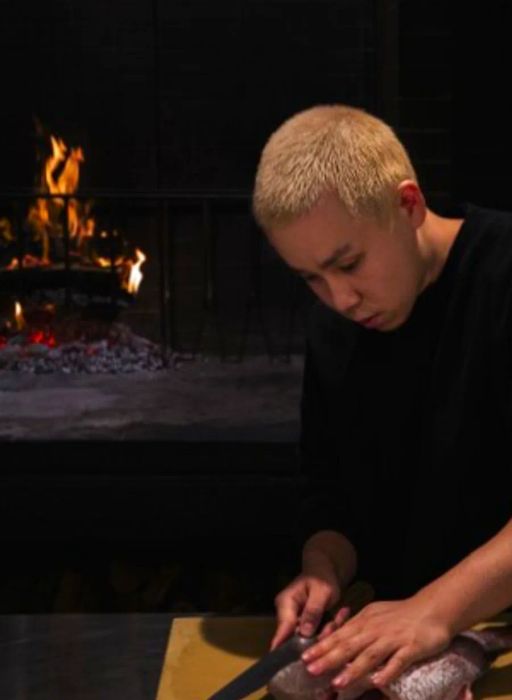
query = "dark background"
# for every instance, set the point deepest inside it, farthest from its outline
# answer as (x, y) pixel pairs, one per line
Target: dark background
(177, 94)
(182, 94)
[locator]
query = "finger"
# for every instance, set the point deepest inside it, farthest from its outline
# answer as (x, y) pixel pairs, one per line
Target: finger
(342, 615)
(332, 653)
(396, 665)
(313, 611)
(367, 661)
(347, 638)
(329, 628)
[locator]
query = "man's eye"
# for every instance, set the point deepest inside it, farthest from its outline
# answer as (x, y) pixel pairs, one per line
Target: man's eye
(350, 266)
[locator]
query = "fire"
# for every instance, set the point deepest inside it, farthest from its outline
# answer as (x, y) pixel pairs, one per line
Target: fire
(18, 316)
(65, 182)
(32, 336)
(58, 156)
(42, 338)
(136, 275)
(50, 220)
(107, 262)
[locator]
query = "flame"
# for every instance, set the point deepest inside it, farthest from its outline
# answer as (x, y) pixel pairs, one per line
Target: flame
(135, 274)
(60, 176)
(88, 227)
(65, 182)
(18, 315)
(70, 175)
(107, 262)
(58, 155)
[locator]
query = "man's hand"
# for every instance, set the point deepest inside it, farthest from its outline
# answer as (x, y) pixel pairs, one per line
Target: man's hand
(328, 564)
(302, 604)
(388, 636)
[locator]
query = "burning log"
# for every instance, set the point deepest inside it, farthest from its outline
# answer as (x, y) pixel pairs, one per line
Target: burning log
(81, 286)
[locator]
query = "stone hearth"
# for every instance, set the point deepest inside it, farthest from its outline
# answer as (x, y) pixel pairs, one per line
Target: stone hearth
(197, 400)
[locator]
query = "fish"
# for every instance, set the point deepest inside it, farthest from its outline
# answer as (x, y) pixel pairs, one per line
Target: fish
(447, 675)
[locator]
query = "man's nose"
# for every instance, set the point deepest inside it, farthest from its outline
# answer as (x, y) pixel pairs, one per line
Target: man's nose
(343, 296)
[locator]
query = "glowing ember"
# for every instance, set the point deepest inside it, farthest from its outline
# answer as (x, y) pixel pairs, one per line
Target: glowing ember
(40, 337)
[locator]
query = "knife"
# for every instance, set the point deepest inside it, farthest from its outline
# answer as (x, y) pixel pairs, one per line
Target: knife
(260, 673)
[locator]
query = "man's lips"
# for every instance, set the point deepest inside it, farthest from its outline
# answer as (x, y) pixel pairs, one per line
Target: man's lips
(369, 321)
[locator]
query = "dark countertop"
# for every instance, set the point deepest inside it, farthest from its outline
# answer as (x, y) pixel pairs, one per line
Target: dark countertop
(82, 657)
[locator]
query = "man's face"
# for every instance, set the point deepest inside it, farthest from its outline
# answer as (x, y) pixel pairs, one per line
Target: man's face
(368, 273)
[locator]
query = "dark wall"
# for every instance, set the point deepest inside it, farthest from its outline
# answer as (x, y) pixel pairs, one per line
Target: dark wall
(185, 93)
(454, 106)
(425, 95)
(482, 104)
(181, 94)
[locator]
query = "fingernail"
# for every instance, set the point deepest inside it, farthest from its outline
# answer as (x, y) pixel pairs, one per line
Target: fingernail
(340, 681)
(375, 679)
(313, 668)
(307, 628)
(306, 655)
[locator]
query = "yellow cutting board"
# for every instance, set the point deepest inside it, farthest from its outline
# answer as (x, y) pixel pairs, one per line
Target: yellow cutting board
(205, 653)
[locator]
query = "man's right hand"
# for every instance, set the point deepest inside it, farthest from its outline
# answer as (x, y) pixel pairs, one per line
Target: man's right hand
(301, 605)
(328, 565)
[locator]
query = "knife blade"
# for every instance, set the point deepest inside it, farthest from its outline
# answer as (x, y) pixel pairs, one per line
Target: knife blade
(260, 673)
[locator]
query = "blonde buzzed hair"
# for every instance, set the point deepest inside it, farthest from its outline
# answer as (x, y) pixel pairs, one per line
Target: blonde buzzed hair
(324, 149)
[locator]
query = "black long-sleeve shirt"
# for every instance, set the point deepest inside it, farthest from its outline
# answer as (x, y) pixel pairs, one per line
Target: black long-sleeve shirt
(406, 434)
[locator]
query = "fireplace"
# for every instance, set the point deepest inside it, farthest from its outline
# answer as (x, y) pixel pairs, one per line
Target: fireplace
(65, 277)
(69, 274)
(164, 420)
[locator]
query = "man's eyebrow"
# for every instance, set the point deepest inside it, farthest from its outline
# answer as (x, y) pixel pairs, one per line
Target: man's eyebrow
(334, 257)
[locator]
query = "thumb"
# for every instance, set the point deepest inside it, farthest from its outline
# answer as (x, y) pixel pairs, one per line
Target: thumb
(287, 614)
(284, 630)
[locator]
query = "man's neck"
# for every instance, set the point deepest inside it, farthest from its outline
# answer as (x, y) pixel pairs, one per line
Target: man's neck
(436, 237)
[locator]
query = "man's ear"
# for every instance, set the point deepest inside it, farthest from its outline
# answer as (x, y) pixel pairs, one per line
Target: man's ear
(411, 202)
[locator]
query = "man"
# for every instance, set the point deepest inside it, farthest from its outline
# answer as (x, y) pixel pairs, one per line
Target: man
(407, 395)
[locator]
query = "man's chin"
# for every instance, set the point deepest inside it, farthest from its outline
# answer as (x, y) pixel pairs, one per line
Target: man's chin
(394, 322)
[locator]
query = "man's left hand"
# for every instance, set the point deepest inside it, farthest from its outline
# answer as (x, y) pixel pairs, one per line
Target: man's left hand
(382, 641)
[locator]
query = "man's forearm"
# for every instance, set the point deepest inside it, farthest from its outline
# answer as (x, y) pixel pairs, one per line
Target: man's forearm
(477, 588)
(333, 550)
